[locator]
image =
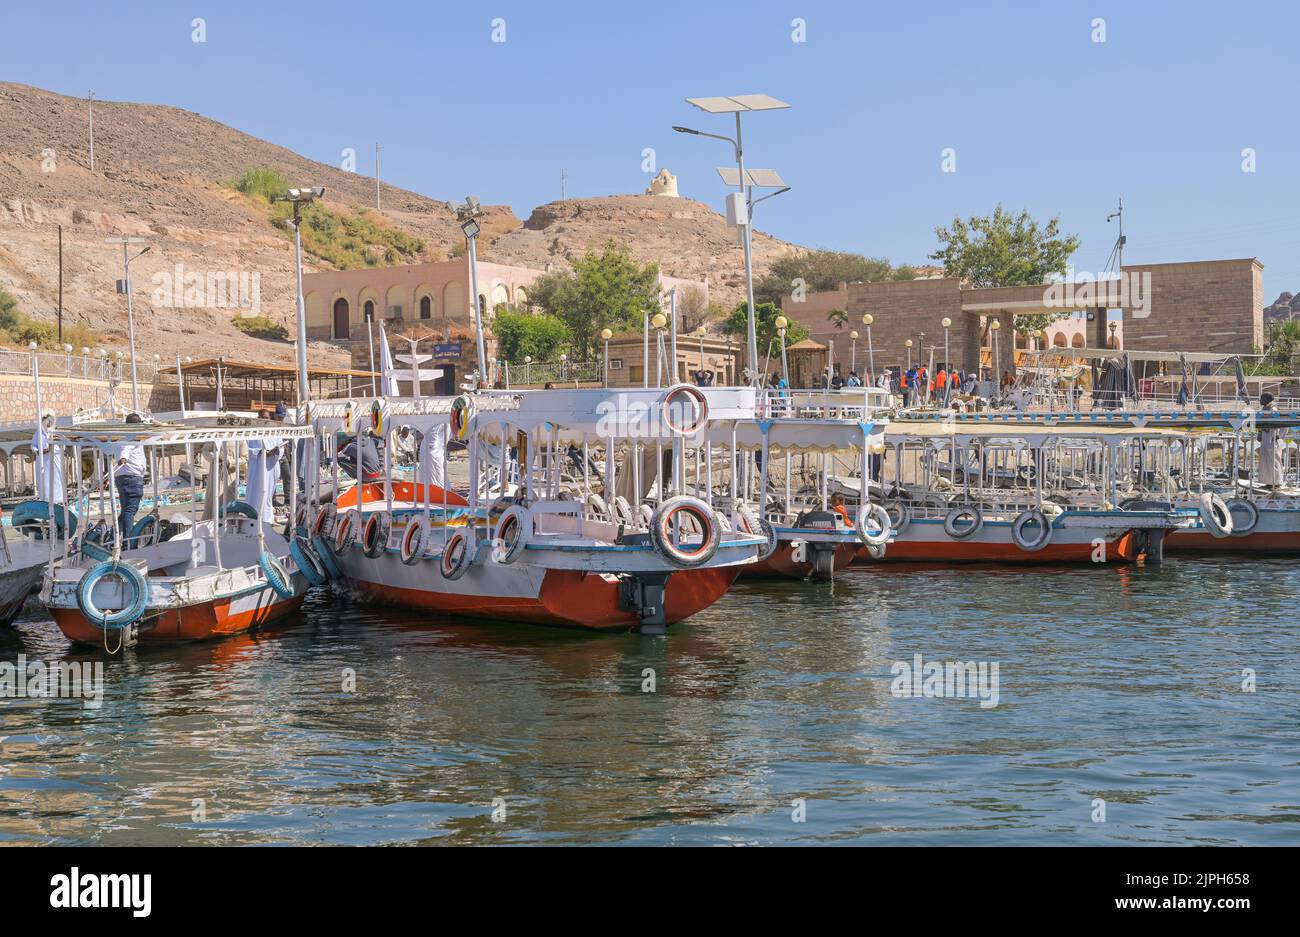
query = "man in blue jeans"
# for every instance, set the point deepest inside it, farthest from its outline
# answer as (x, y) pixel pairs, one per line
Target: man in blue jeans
(128, 474)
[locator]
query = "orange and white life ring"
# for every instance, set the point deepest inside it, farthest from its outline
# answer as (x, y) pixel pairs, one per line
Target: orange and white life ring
(413, 541)
(455, 557)
(667, 518)
(677, 397)
(342, 533)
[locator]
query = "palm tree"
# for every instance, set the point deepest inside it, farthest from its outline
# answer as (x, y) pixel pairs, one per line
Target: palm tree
(838, 318)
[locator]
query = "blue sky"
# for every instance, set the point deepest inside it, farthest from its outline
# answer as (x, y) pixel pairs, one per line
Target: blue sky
(1039, 114)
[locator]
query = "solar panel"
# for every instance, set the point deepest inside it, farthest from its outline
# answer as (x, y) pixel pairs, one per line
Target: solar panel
(739, 102)
(758, 178)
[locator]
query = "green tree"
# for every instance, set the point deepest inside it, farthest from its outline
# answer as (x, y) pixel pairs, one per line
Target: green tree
(1002, 250)
(824, 270)
(838, 318)
(764, 327)
(520, 334)
(605, 289)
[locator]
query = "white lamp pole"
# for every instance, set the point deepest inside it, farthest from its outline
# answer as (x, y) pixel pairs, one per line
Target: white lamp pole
(853, 352)
(606, 334)
(871, 355)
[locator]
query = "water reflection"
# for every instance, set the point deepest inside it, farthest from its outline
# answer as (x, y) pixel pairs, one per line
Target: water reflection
(1116, 683)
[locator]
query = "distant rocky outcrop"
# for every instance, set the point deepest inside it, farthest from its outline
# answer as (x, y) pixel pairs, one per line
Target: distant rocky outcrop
(1286, 306)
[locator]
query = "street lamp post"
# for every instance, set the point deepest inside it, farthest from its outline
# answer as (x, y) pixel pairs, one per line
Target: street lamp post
(853, 352)
(908, 343)
(124, 286)
(606, 334)
(871, 354)
(947, 361)
(467, 215)
(699, 333)
(738, 104)
(300, 197)
(782, 323)
(659, 320)
(528, 369)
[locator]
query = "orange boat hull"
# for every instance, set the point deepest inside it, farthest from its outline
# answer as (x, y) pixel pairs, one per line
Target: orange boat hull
(1123, 550)
(215, 619)
(567, 599)
(781, 564)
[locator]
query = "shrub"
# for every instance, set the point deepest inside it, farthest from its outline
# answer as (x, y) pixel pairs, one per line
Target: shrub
(262, 327)
(519, 334)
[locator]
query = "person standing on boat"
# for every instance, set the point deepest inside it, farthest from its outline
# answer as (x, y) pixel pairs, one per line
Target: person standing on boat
(263, 470)
(47, 458)
(128, 477)
(433, 451)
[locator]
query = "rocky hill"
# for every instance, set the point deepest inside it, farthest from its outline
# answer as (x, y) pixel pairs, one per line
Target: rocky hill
(163, 173)
(687, 238)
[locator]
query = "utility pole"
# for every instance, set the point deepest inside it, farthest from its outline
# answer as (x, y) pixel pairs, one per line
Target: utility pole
(60, 283)
(564, 175)
(1121, 240)
(376, 177)
(90, 106)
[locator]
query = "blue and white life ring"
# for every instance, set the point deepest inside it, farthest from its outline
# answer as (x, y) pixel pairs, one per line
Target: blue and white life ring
(277, 577)
(311, 566)
(132, 580)
(38, 512)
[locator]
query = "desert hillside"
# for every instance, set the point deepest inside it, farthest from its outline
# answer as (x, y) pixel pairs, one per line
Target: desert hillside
(162, 173)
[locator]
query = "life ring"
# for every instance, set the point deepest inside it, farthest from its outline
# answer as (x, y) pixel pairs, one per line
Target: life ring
(412, 546)
(462, 409)
(596, 504)
(624, 511)
(751, 523)
(342, 533)
(374, 534)
(669, 402)
(300, 521)
(884, 525)
(30, 514)
(904, 512)
(277, 577)
(512, 534)
(455, 557)
(240, 507)
(1215, 515)
(138, 537)
(957, 531)
(308, 562)
(130, 613)
(1023, 520)
(1243, 505)
(323, 525)
(647, 514)
(325, 554)
(661, 532)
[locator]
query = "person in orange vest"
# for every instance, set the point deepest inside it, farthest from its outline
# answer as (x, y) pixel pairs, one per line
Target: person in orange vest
(837, 505)
(940, 383)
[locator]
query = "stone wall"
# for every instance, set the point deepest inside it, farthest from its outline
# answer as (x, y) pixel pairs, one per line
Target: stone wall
(66, 396)
(1212, 305)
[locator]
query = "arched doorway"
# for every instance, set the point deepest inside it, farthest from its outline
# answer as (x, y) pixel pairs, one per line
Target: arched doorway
(426, 307)
(369, 310)
(341, 324)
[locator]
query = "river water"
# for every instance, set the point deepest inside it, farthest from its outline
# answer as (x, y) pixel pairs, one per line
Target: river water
(1124, 715)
